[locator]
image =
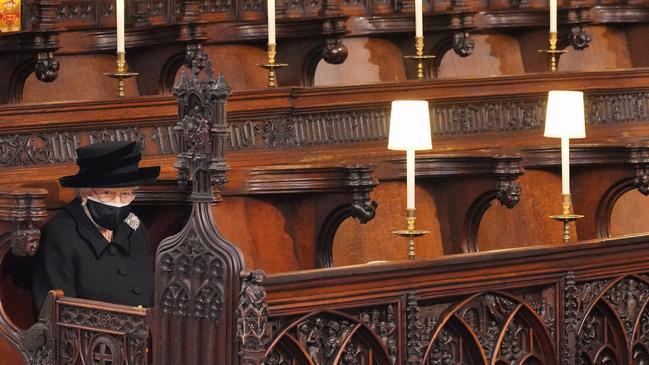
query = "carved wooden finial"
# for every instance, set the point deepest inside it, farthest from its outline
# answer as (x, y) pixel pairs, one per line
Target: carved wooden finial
(197, 274)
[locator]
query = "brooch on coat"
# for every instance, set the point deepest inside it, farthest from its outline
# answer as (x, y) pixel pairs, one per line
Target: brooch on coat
(133, 221)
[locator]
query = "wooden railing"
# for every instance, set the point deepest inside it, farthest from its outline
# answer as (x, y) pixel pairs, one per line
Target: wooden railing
(576, 304)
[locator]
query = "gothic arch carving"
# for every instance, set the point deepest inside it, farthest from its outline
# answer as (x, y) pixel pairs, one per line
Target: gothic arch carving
(327, 337)
(612, 320)
(490, 328)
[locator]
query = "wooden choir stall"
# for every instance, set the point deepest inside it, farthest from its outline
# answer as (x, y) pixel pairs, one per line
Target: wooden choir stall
(272, 219)
(492, 284)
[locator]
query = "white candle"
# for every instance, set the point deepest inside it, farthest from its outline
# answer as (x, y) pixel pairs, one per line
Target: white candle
(410, 179)
(119, 15)
(565, 166)
(553, 15)
(271, 21)
(419, 27)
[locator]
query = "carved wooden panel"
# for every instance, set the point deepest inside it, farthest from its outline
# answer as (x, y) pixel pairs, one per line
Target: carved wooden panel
(486, 328)
(314, 129)
(608, 319)
(99, 334)
(354, 336)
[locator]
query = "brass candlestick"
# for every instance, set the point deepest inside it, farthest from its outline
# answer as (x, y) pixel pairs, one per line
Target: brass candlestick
(420, 57)
(272, 65)
(121, 74)
(566, 217)
(411, 233)
(553, 52)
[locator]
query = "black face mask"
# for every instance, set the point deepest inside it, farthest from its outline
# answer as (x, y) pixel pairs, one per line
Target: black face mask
(107, 216)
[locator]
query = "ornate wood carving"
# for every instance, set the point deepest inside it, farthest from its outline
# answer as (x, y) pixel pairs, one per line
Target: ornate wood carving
(507, 192)
(23, 53)
(490, 328)
(22, 208)
(418, 330)
(104, 334)
(40, 339)
(306, 126)
(611, 320)
(198, 270)
(253, 330)
(334, 338)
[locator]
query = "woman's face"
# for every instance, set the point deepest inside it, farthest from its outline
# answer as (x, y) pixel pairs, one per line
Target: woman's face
(110, 195)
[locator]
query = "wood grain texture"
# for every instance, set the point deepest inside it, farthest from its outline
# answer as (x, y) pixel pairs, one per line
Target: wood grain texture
(630, 214)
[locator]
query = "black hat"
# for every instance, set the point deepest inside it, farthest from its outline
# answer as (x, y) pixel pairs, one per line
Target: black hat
(110, 165)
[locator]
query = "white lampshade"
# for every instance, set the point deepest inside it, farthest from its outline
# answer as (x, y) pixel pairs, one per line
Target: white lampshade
(409, 126)
(565, 115)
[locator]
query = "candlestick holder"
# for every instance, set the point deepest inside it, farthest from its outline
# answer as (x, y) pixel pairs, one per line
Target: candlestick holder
(411, 233)
(553, 52)
(420, 57)
(566, 217)
(121, 74)
(271, 66)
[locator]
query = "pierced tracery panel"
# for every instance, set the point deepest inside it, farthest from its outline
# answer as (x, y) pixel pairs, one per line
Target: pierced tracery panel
(601, 339)
(615, 325)
(358, 337)
(489, 328)
(95, 336)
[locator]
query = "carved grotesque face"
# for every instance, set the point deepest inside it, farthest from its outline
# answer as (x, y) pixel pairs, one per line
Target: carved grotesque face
(257, 276)
(513, 196)
(26, 241)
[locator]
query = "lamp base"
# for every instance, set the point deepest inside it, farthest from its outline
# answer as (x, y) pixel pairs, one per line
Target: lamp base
(411, 233)
(553, 52)
(420, 57)
(566, 217)
(122, 74)
(271, 65)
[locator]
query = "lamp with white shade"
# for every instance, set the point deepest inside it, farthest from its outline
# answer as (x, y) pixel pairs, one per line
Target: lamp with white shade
(410, 132)
(565, 119)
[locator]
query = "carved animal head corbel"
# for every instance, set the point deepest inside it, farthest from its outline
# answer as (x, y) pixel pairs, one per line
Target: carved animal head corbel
(579, 38)
(462, 43)
(334, 51)
(194, 55)
(361, 181)
(641, 180)
(47, 67)
(508, 193)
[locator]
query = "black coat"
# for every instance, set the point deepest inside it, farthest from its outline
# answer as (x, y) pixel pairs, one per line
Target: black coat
(75, 257)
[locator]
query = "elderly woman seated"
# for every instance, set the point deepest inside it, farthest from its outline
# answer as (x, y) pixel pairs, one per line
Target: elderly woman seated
(96, 248)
